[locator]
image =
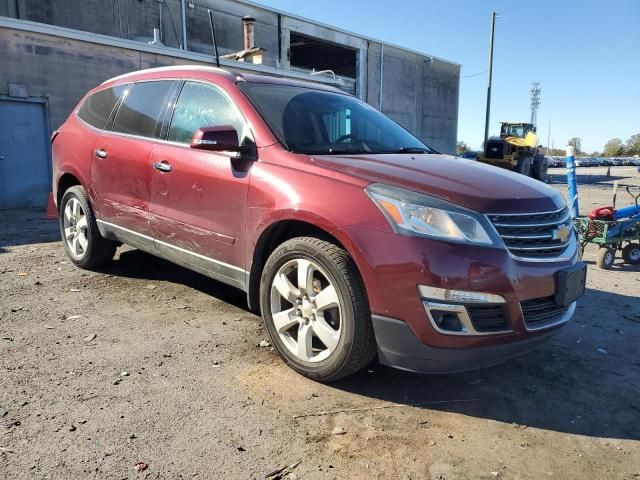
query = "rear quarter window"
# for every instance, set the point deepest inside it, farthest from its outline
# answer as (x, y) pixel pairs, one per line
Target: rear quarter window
(140, 111)
(97, 108)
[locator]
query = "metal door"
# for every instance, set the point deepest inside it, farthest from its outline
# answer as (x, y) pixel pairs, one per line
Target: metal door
(25, 165)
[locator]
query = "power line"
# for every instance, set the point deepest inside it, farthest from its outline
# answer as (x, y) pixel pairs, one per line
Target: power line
(474, 74)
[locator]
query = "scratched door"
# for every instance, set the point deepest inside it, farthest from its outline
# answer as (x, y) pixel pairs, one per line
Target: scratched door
(25, 165)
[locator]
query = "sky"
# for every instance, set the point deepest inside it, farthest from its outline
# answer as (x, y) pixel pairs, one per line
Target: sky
(584, 53)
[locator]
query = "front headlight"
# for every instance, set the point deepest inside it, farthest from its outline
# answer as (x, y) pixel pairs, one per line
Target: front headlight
(411, 213)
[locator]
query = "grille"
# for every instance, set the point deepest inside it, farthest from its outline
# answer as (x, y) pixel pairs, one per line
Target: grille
(541, 311)
(488, 318)
(534, 235)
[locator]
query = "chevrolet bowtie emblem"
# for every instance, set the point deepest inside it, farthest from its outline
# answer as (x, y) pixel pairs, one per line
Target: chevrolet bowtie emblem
(562, 233)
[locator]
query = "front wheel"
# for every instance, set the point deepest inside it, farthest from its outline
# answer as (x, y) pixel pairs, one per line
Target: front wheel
(605, 258)
(315, 309)
(83, 243)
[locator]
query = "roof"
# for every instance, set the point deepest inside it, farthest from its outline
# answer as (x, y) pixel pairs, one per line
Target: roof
(221, 73)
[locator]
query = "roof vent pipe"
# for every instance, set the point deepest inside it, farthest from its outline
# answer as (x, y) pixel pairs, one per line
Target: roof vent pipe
(156, 37)
(248, 32)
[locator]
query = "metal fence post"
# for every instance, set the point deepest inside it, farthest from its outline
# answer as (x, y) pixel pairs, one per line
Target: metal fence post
(572, 182)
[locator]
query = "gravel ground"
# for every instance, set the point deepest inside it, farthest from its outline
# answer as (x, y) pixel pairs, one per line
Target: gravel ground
(144, 361)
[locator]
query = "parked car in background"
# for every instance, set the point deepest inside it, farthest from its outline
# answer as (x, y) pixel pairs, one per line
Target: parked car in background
(616, 162)
(469, 155)
(581, 162)
(606, 162)
(351, 237)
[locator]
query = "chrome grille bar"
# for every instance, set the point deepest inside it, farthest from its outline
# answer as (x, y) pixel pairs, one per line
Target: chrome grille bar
(534, 235)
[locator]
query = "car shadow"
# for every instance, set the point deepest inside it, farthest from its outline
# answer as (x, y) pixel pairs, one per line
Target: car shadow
(585, 381)
(141, 265)
(568, 385)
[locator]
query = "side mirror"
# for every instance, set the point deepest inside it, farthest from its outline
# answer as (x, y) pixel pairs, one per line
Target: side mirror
(216, 139)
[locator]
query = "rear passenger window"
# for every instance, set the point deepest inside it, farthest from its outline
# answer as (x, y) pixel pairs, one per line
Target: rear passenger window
(98, 107)
(141, 108)
(201, 105)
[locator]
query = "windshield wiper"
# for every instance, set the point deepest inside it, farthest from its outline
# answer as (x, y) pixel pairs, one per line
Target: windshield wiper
(412, 150)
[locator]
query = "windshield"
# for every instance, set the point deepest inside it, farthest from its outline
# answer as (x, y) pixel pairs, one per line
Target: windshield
(318, 122)
(513, 131)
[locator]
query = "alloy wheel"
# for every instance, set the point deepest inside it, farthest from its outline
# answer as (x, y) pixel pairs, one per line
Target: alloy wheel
(75, 228)
(306, 310)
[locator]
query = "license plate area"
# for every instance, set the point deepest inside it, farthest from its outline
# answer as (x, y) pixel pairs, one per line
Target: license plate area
(570, 284)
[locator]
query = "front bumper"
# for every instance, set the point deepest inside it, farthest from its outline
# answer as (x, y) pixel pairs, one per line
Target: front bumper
(398, 347)
(394, 266)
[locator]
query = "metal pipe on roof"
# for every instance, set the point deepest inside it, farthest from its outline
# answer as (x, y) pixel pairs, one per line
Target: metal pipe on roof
(381, 74)
(183, 14)
(248, 32)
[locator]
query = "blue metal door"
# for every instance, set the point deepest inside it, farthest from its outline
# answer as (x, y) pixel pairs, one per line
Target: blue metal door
(25, 163)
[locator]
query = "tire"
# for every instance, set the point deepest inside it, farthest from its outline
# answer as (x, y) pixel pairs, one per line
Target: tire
(82, 241)
(351, 342)
(540, 169)
(605, 257)
(631, 254)
(524, 166)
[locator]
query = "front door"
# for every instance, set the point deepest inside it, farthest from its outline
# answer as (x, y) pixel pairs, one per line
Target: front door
(24, 156)
(121, 167)
(198, 198)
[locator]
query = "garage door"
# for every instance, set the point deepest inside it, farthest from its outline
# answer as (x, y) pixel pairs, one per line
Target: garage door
(24, 155)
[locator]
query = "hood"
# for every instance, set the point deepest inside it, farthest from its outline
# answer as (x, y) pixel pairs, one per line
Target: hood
(474, 185)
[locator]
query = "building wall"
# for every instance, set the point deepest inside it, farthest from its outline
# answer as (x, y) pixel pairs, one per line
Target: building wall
(418, 92)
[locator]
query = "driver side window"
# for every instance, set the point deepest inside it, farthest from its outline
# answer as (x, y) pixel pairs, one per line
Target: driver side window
(201, 105)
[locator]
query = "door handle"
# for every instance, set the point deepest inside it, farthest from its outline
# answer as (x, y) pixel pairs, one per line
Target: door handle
(101, 153)
(162, 166)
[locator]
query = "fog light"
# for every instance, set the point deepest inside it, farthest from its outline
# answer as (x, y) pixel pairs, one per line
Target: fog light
(458, 296)
(447, 321)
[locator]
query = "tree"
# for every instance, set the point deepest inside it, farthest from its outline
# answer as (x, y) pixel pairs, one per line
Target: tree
(462, 147)
(577, 143)
(614, 148)
(633, 145)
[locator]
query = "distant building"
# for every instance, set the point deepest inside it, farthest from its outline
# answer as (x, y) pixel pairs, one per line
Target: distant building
(54, 51)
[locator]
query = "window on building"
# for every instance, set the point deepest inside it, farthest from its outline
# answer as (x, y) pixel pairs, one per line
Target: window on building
(140, 111)
(97, 109)
(201, 105)
(313, 53)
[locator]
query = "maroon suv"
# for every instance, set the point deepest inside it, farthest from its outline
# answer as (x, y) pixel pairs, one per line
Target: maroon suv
(351, 236)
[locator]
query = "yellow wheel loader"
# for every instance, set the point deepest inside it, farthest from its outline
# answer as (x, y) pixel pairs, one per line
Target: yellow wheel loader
(516, 149)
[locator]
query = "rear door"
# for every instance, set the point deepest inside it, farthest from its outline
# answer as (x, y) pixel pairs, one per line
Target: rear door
(121, 167)
(198, 198)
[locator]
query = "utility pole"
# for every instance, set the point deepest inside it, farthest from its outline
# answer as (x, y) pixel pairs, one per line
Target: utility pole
(548, 137)
(486, 123)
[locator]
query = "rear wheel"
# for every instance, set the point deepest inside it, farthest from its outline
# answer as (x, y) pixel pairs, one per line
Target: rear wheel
(631, 253)
(315, 309)
(82, 240)
(524, 166)
(605, 258)
(540, 168)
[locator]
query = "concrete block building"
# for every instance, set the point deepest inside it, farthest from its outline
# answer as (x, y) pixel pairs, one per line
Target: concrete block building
(53, 51)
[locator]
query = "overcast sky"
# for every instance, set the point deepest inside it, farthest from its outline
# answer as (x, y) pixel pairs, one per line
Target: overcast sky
(584, 53)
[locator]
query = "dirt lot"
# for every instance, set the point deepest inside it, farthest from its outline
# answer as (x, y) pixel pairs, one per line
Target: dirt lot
(201, 399)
